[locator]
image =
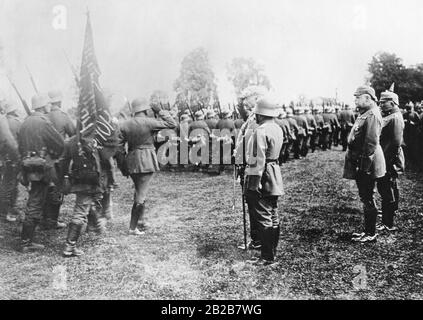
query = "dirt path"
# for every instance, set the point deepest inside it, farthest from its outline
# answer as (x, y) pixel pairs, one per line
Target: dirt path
(191, 252)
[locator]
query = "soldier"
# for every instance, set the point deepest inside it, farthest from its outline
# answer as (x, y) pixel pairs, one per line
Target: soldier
(9, 166)
(346, 119)
(141, 161)
(263, 182)
(318, 138)
(412, 123)
(364, 160)
(288, 137)
(201, 138)
(336, 126)
(327, 132)
(40, 145)
(89, 182)
(312, 129)
(226, 127)
(301, 149)
(390, 140)
(211, 119)
(296, 130)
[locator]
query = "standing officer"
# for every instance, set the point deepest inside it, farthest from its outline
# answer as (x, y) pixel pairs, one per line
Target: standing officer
(391, 141)
(10, 167)
(346, 119)
(141, 161)
(327, 132)
(364, 160)
(303, 133)
(40, 145)
(295, 130)
(263, 182)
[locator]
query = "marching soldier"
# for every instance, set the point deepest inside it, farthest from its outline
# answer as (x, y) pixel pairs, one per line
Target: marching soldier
(301, 149)
(390, 140)
(40, 145)
(263, 182)
(88, 181)
(226, 127)
(364, 160)
(346, 119)
(141, 161)
(10, 166)
(211, 120)
(412, 122)
(64, 125)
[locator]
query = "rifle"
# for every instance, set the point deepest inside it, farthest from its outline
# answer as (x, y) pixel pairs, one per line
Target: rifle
(220, 109)
(32, 80)
(75, 75)
(25, 105)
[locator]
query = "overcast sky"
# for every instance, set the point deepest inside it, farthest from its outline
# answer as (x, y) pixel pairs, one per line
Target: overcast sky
(307, 47)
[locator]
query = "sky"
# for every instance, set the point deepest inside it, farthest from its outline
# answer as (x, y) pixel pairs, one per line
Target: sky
(311, 48)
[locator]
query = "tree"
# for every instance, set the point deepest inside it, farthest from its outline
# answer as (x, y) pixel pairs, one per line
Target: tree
(244, 72)
(386, 68)
(196, 82)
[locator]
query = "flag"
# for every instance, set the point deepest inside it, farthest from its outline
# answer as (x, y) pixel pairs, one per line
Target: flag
(95, 120)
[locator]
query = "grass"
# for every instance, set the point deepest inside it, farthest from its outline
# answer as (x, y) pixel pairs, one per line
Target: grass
(191, 251)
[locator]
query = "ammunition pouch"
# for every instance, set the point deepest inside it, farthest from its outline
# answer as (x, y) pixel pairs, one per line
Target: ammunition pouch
(35, 168)
(84, 170)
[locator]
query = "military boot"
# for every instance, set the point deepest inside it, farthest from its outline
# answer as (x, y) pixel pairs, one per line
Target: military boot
(26, 246)
(267, 246)
(73, 234)
(142, 225)
(137, 209)
(276, 234)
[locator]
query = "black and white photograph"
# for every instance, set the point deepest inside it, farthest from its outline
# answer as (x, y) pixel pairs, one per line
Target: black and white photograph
(207, 151)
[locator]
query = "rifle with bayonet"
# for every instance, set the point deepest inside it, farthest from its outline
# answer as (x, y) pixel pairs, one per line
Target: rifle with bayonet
(25, 105)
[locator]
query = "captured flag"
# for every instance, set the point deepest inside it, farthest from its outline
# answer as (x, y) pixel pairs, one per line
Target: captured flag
(95, 120)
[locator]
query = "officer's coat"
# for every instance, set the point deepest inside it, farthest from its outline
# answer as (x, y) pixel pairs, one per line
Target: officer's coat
(364, 152)
(263, 171)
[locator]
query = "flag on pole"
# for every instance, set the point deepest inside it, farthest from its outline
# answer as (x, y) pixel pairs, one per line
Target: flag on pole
(95, 120)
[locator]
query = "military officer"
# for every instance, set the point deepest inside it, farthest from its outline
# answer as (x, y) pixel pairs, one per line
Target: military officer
(141, 160)
(40, 145)
(10, 166)
(364, 160)
(391, 141)
(263, 181)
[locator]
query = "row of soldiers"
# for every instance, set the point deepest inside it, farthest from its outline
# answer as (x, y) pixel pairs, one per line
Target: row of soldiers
(413, 132)
(305, 129)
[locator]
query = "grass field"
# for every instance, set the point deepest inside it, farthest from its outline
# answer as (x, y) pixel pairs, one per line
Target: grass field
(191, 251)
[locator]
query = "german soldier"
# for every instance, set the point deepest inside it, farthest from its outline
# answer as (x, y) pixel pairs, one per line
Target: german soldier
(364, 160)
(346, 119)
(9, 166)
(40, 145)
(295, 128)
(141, 161)
(390, 140)
(317, 140)
(263, 182)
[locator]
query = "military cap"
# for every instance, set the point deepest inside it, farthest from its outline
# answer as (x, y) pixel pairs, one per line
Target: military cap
(55, 96)
(39, 101)
(140, 104)
(282, 114)
(199, 115)
(389, 96)
(266, 108)
(366, 90)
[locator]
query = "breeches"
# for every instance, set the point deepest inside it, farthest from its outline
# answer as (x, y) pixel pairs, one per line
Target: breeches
(141, 183)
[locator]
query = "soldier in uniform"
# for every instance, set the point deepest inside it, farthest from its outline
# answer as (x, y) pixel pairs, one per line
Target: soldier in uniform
(301, 149)
(40, 145)
(317, 140)
(211, 120)
(263, 182)
(327, 132)
(312, 129)
(336, 127)
(391, 141)
(226, 126)
(298, 132)
(346, 119)
(141, 161)
(412, 123)
(288, 137)
(364, 160)
(9, 166)
(199, 138)
(88, 181)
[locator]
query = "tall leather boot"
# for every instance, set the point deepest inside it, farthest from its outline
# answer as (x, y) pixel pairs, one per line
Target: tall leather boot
(73, 234)
(267, 239)
(276, 234)
(370, 216)
(51, 214)
(388, 211)
(27, 235)
(135, 216)
(142, 225)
